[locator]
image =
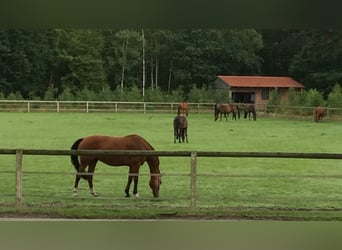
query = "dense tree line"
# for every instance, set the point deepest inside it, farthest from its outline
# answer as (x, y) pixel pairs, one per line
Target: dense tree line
(149, 64)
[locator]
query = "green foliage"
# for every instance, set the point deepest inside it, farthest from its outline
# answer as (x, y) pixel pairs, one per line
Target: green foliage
(296, 98)
(50, 94)
(15, 96)
(86, 94)
(318, 63)
(154, 95)
(314, 98)
(275, 97)
(107, 63)
(274, 100)
(105, 94)
(335, 97)
(200, 94)
(66, 95)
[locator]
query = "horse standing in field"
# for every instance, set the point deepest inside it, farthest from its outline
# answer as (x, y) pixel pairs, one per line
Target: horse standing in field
(249, 109)
(182, 108)
(319, 113)
(225, 109)
(180, 129)
(129, 142)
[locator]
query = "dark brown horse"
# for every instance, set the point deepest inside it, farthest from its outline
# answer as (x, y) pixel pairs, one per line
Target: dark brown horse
(225, 109)
(129, 142)
(180, 129)
(182, 108)
(249, 109)
(319, 113)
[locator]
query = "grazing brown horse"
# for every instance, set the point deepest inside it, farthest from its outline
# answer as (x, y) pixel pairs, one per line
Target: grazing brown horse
(249, 109)
(183, 108)
(319, 113)
(180, 129)
(225, 109)
(129, 142)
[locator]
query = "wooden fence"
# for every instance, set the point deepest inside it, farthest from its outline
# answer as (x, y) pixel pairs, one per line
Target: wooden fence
(193, 166)
(153, 107)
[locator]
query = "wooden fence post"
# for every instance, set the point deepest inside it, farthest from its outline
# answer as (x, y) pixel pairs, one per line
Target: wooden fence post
(193, 178)
(18, 177)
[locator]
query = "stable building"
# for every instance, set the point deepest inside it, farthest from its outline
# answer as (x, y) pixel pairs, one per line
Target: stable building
(255, 89)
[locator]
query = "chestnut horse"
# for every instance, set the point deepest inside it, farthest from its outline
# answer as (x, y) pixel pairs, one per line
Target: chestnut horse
(183, 108)
(319, 113)
(225, 109)
(249, 109)
(129, 142)
(180, 129)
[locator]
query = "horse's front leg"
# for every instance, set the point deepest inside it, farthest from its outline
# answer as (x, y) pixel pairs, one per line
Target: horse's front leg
(133, 175)
(135, 187)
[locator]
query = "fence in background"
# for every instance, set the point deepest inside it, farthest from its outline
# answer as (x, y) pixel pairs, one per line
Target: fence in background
(192, 170)
(99, 106)
(152, 107)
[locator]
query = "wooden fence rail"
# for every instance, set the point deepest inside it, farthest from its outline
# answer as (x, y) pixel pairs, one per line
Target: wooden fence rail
(193, 166)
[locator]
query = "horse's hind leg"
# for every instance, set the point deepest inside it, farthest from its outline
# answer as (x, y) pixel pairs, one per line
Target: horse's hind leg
(129, 181)
(79, 176)
(77, 180)
(91, 170)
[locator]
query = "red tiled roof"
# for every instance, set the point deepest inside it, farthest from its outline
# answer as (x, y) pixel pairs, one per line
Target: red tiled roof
(261, 81)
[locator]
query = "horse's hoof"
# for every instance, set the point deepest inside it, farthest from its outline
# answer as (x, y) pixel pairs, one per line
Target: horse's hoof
(75, 195)
(127, 196)
(136, 195)
(94, 194)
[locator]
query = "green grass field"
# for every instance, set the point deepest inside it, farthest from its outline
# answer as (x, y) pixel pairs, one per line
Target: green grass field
(228, 187)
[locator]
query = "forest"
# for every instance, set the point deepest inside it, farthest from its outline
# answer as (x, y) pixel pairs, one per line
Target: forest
(154, 64)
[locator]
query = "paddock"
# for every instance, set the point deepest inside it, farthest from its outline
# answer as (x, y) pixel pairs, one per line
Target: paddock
(224, 184)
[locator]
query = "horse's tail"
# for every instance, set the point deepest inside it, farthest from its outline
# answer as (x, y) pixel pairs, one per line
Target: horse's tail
(74, 158)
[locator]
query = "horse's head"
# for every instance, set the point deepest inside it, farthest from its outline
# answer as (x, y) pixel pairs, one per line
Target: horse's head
(155, 183)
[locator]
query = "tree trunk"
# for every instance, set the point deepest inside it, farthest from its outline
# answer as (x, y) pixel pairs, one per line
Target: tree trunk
(170, 76)
(124, 48)
(122, 76)
(143, 63)
(152, 76)
(157, 68)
